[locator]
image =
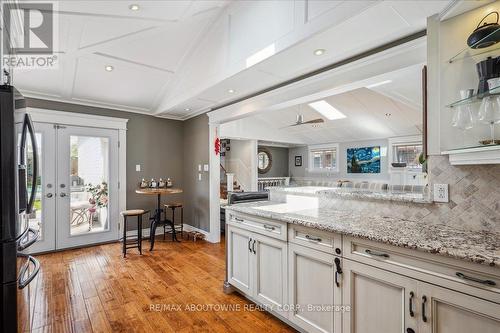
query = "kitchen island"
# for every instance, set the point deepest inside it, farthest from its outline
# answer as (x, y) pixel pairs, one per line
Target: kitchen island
(335, 270)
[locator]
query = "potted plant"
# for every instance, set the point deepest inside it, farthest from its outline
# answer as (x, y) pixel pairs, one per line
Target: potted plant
(98, 199)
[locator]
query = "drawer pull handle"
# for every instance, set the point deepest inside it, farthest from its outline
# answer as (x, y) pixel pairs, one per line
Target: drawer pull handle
(474, 279)
(238, 219)
(315, 239)
(424, 302)
(377, 254)
(269, 227)
(410, 304)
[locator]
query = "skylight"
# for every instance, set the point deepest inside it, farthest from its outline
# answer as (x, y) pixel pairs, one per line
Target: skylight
(327, 110)
(263, 54)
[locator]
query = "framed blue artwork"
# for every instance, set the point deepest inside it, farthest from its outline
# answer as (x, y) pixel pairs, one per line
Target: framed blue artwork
(363, 160)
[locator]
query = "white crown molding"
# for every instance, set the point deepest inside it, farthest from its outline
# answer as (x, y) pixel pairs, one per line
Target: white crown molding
(76, 119)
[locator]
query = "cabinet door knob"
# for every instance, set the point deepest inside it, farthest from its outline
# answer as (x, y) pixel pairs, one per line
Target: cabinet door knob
(410, 330)
(49, 195)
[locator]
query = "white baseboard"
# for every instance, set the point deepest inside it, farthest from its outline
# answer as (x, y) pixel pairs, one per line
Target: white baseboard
(159, 231)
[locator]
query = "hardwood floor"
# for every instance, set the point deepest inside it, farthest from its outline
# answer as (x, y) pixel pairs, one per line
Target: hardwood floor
(96, 290)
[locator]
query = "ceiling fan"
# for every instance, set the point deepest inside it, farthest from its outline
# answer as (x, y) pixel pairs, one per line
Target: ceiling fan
(300, 121)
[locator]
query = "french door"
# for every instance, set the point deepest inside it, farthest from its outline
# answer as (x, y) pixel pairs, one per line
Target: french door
(77, 191)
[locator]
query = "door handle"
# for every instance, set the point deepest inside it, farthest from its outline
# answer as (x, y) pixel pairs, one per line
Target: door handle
(410, 304)
(49, 195)
(27, 241)
(24, 281)
(338, 272)
(314, 239)
(475, 279)
(424, 302)
(253, 247)
(62, 195)
(249, 248)
(377, 254)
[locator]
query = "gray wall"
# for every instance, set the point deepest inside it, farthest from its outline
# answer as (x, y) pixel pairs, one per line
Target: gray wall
(279, 167)
(196, 193)
(154, 143)
(302, 172)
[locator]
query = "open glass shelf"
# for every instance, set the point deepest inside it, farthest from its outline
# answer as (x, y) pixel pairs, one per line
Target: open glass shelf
(476, 98)
(469, 52)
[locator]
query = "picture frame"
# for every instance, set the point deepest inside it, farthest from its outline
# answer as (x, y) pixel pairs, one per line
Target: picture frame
(298, 160)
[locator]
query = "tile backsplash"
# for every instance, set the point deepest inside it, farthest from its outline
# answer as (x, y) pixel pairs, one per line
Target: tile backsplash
(474, 193)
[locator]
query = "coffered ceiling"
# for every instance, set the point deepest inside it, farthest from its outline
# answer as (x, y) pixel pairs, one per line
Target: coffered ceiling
(177, 59)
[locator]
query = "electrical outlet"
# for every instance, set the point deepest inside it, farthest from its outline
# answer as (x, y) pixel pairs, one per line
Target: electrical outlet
(199, 176)
(138, 167)
(205, 167)
(441, 193)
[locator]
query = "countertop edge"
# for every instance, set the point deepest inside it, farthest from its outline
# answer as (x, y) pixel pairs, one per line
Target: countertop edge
(322, 227)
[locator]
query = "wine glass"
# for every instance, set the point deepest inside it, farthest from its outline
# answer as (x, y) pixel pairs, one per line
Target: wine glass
(463, 116)
(489, 111)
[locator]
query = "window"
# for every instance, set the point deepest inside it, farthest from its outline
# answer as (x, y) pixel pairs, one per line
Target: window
(323, 158)
(408, 153)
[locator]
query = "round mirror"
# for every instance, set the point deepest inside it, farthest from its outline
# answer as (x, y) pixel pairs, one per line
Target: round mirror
(264, 160)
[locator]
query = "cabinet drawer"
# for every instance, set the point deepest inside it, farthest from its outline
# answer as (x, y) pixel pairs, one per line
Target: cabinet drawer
(315, 239)
(479, 280)
(271, 228)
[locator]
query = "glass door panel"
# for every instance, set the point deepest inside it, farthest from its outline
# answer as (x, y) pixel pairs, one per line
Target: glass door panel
(89, 178)
(87, 183)
(43, 215)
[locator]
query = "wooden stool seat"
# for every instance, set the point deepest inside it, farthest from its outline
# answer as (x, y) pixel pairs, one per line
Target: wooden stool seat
(133, 212)
(179, 227)
(132, 242)
(173, 205)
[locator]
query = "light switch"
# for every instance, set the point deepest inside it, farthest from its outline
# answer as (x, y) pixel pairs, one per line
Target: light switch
(199, 176)
(205, 167)
(137, 167)
(199, 167)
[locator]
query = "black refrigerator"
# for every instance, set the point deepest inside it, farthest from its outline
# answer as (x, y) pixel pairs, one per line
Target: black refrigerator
(18, 181)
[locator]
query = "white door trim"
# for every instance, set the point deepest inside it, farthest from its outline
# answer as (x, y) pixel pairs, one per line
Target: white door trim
(94, 121)
(214, 184)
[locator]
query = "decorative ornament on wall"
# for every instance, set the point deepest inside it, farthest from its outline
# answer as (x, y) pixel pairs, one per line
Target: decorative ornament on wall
(217, 146)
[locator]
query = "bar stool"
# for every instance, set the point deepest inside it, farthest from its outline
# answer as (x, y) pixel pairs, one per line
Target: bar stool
(135, 242)
(173, 207)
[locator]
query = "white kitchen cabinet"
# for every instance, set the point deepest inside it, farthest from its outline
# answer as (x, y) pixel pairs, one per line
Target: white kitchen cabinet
(380, 301)
(238, 258)
(312, 283)
(270, 272)
(257, 266)
(446, 311)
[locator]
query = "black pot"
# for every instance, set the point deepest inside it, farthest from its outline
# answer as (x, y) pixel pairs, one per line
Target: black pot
(487, 69)
(485, 35)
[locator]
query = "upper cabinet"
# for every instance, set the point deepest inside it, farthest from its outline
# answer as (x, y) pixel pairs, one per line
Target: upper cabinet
(464, 112)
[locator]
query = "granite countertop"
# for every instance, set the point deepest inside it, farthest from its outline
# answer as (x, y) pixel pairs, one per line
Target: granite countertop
(353, 193)
(482, 247)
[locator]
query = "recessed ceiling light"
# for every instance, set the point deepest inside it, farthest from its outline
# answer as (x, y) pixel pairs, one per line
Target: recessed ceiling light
(378, 84)
(109, 68)
(187, 109)
(319, 52)
(327, 110)
(231, 91)
(134, 7)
